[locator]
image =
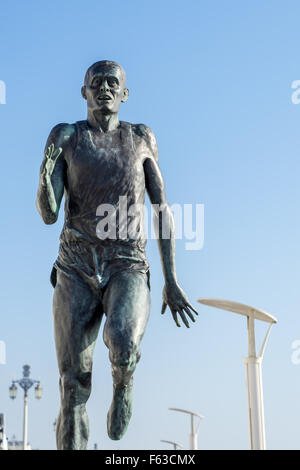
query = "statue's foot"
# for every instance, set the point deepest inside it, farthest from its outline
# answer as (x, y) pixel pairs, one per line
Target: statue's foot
(120, 411)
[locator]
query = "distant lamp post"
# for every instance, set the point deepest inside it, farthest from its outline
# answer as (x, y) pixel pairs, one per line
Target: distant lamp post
(175, 444)
(194, 431)
(25, 383)
(253, 367)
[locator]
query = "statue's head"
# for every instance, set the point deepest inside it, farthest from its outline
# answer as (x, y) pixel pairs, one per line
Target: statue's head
(105, 87)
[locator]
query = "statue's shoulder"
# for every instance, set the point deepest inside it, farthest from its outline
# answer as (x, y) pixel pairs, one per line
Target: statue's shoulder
(147, 135)
(62, 134)
(142, 130)
(63, 128)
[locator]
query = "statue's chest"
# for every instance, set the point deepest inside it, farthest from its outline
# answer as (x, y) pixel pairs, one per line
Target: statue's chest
(104, 158)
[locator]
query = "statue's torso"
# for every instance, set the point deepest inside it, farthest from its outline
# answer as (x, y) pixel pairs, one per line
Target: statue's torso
(101, 168)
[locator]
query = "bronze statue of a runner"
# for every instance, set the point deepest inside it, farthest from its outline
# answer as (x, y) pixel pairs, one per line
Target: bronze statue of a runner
(97, 164)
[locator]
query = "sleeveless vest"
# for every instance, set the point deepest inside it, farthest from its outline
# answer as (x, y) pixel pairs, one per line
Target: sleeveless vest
(104, 171)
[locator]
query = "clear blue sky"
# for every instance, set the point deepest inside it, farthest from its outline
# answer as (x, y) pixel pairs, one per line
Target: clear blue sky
(213, 80)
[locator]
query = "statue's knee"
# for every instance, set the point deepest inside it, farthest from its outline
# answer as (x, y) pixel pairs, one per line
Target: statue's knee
(125, 359)
(76, 386)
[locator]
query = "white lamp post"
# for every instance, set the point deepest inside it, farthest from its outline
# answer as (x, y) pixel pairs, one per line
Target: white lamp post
(25, 383)
(194, 432)
(253, 367)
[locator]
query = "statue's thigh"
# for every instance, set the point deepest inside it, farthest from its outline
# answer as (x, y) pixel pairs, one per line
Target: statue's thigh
(126, 303)
(77, 314)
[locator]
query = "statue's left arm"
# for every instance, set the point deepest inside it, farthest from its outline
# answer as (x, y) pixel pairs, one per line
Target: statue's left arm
(52, 173)
(173, 295)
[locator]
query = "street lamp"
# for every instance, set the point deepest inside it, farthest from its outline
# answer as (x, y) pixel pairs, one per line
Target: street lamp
(13, 391)
(194, 432)
(38, 391)
(25, 383)
(175, 444)
(253, 366)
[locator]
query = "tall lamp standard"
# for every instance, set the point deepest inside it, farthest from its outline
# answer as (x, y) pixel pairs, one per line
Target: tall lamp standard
(194, 432)
(25, 383)
(253, 366)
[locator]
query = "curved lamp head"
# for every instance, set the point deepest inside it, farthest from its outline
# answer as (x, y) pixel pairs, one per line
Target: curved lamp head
(242, 309)
(188, 412)
(251, 313)
(175, 444)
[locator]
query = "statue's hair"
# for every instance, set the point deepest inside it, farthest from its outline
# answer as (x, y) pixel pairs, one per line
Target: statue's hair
(103, 63)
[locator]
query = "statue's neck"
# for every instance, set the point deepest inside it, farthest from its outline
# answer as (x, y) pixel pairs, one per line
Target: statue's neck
(104, 122)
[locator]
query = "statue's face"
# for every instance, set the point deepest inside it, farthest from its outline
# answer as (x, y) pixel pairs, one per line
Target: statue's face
(105, 90)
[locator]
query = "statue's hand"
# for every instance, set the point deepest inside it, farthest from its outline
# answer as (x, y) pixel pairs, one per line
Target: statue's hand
(175, 298)
(50, 160)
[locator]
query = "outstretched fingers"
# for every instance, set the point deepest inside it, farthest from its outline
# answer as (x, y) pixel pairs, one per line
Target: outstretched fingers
(47, 153)
(51, 154)
(183, 317)
(183, 308)
(174, 314)
(189, 313)
(192, 308)
(164, 307)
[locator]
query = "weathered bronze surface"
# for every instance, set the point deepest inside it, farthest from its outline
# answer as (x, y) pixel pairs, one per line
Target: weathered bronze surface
(97, 164)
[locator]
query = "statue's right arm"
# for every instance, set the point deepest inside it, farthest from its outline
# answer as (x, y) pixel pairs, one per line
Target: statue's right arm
(52, 172)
